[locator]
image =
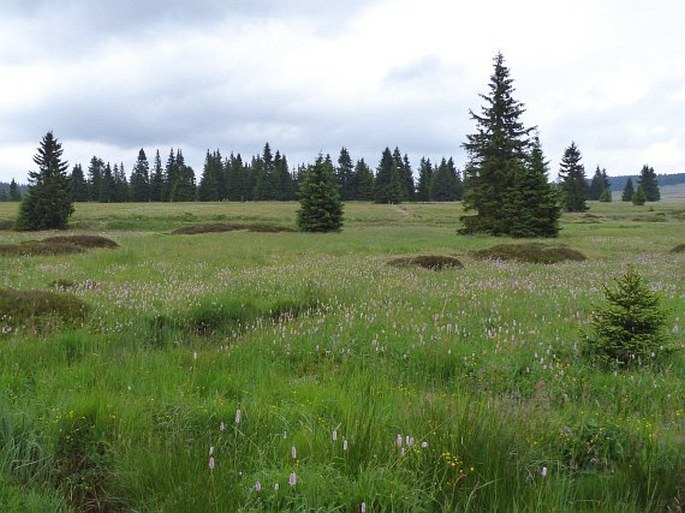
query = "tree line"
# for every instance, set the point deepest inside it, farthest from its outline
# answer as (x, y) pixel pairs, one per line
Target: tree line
(265, 177)
(505, 186)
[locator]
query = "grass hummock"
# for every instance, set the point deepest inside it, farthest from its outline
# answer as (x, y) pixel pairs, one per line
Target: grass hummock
(535, 253)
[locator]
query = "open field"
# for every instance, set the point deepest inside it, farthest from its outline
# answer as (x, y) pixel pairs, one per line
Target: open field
(306, 361)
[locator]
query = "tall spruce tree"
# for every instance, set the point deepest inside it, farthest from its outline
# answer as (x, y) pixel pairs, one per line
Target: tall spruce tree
(599, 183)
(106, 194)
(573, 182)
(446, 184)
(140, 179)
(212, 179)
(48, 202)
(120, 183)
(284, 186)
(497, 151)
(532, 205)
(78, 184)
(345, 175)
(639, 198)
(628, 191)
(425, 179)
(387, 185)
(14, 194)
(649, 183)
(320, 207)
(96, 168)
(363, 181)
(157, 179)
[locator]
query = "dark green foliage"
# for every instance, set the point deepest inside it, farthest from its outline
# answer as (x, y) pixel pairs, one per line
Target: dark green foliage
(628, 191)
(600, 183)
(107, 194)
(639, 197)
(263, 171)
(532, 252)
(230, 227)
(157, 180)
(364, 182)
(532, 205)
(605, 197)
(212, 182)
(345, 176)
(120, 184)
(423, 188)
(629, 328)
(446, 184)
(680, 248)
(180, 179)
(38, 309)
(573, 182)
(649, 183)
(387, 185)
(140, 179)
(14, 194)
(320, 207)
(405, 175)
(283, 183)
(503, 182)
(96, 168)
(79, 186)
(432, 262)
(236, 177)
(48, 202)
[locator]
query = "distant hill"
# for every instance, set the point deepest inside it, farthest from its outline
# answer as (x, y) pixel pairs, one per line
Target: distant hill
(619, 182)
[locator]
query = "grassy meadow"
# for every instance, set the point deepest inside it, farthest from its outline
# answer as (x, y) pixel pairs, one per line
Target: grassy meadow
(247, 372)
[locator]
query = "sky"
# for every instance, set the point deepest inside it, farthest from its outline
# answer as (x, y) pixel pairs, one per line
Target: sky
(311, 76)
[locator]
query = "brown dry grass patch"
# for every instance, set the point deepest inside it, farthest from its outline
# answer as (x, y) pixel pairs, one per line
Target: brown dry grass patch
(680, 248)
(58, 245)
(532, 253)
(38, 309)
(229, 227)
(431, 262)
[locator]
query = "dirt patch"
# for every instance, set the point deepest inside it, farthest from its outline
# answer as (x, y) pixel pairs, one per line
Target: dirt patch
(59, 245)
(432, 262)
(680, 248)
(534, 253)
(229, 227)
(38, 309)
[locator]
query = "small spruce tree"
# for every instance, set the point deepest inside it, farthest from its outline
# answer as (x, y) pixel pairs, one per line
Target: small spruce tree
(605, 197)
(628, 191)
(629, 329)
(320, 207)
(639, 196)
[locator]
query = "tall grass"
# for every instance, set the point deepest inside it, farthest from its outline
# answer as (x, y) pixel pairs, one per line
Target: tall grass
(402, 389)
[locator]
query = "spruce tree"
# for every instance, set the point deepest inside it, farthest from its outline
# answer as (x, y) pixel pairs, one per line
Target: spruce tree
(649, 183)
(496, 151)
(78, 184)
(573, 182)
(532, 206)
(120, 184)
(284, 187)
(387, 186)
(606, 196)
(96, 168)
(423, 186)
(157, 180)
(140, 179)
(212, 178)
(363, 181)
(235, 178)
(628, 191)
(639, 197)
(320, 207)
(345, 175)
(48, 202)
(445, 185)
(14, 194)
(597, 185)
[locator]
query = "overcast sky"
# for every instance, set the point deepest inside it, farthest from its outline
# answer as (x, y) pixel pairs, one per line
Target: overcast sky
(309, 76)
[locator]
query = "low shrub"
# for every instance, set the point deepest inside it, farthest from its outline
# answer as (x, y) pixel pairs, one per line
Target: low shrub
(38, 309)
(229, 227)
(6, 225)
(680, 248)
(532, 252)
(59, 245)
(432, 262)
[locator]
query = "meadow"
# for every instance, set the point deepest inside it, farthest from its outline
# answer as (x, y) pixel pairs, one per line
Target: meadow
(245, 371)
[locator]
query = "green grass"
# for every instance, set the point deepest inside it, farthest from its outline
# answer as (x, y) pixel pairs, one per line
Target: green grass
(324, 347)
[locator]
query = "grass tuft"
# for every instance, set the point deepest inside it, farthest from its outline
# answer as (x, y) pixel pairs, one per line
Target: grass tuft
(680, 248)
(535, 253)
(432, 262)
